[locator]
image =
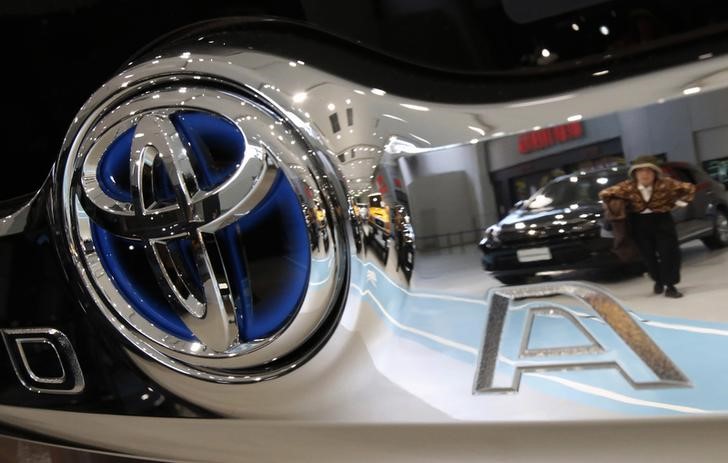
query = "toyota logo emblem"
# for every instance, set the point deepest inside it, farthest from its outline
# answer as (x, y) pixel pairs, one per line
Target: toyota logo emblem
(191, 214)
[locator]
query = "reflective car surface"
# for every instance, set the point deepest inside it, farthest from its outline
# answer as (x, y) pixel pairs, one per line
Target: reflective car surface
(260, 238)
(562, 228)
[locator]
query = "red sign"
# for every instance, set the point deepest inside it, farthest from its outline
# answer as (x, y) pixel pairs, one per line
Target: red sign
(545, 138)
(382, 184)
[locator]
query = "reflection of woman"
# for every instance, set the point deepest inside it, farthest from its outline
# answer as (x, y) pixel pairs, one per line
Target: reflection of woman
(647, 198)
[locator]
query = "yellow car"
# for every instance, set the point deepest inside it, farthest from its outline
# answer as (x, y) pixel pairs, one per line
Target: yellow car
(378, 213)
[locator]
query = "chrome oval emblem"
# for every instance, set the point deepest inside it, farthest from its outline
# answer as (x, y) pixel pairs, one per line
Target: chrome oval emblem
(193, 215)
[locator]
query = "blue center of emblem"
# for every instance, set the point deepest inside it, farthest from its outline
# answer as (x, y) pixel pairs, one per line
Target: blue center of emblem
(266, 253)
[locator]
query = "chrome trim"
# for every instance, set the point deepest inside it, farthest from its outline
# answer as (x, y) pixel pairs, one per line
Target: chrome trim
(15, 339)
(414, 140)
(698, 234)
(209, 440)
(607, 309)
(592, 348)
(54, 380)
(148, 105)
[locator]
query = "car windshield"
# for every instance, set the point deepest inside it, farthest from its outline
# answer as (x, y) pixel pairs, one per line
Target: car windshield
(574, 190)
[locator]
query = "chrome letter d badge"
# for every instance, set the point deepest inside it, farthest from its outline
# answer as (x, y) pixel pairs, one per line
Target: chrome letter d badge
(537, 328)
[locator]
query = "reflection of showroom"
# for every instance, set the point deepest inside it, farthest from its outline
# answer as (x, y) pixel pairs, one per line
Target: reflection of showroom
(693, 130)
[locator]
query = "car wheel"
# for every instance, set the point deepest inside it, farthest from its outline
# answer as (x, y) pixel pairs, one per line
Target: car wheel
(632, 270)
(719, 238)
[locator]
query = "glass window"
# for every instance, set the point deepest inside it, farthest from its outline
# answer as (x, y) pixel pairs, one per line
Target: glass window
(567, 191)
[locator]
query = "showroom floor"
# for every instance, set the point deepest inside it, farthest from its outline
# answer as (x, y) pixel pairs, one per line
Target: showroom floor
(458, 272)
(437, 324)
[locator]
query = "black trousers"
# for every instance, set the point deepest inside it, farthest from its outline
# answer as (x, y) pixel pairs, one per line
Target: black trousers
(656, 239)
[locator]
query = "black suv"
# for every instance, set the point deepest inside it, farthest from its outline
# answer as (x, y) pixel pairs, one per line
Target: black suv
(561, 227)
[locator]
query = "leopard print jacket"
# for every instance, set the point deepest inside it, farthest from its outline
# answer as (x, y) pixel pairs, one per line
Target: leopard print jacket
(665, 192)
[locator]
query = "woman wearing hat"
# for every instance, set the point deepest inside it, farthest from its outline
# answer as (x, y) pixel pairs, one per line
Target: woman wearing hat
(648, 198)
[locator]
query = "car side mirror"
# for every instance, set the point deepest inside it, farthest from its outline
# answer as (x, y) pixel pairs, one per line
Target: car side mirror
(518, 205)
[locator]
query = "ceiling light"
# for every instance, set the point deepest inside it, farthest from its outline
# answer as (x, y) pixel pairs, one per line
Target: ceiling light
(300, 97)
(414, 107)
(480, 131)
(393, 117)
(542, 101)
(420, 139)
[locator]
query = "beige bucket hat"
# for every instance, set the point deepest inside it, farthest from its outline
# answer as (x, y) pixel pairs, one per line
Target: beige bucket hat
(646, 162)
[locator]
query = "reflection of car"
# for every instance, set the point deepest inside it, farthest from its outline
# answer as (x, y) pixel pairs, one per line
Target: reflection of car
(323, 229)
(404, 241)
(316, 224)
(561, 227)
(379, 221)
(378, 213)
(356, 226)
(718, 170)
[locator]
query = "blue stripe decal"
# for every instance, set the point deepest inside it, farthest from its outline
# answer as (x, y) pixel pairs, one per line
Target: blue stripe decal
(454, 326)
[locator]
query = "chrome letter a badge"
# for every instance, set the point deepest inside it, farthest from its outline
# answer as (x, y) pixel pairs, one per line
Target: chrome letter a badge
(566, 326)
